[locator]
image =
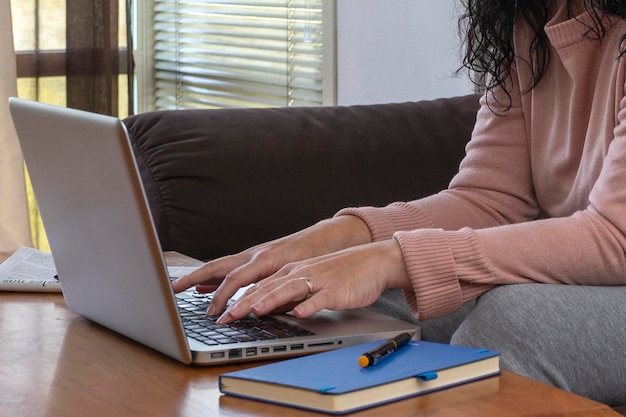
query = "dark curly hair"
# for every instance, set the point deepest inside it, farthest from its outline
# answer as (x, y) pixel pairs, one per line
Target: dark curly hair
(487, 29)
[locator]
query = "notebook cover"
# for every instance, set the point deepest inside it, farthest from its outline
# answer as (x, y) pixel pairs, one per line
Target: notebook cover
(337, 372)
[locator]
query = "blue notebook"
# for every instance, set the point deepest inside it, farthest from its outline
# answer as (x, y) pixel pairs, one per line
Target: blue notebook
(333, 382)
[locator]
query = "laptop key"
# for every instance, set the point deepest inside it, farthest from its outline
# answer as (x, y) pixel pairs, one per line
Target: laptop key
(226, 341)
(245, 338)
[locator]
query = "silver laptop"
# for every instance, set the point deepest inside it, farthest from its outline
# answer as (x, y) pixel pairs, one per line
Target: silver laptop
(110, 262)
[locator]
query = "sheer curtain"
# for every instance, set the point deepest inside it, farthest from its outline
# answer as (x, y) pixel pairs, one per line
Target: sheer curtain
(14, 224)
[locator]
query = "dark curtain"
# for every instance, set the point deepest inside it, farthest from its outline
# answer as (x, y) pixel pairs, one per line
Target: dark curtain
(94, 60)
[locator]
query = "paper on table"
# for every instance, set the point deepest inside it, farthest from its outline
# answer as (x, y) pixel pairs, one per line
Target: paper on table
(29, 270)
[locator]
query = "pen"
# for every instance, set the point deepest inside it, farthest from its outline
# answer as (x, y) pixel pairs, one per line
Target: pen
(378, 354)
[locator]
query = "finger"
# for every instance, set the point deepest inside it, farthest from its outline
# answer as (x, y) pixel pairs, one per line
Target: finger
(229, 286)
(195, 279)
(206, 289)
(258, 268)
(242, 307)
(290, 291)
(305, 309)
(211, 273)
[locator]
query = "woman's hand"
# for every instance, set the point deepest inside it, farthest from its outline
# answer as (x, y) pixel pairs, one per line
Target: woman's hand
(228, 274)
(350, 278)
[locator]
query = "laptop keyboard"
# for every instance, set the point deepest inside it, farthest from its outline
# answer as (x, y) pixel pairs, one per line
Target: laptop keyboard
(192, 307)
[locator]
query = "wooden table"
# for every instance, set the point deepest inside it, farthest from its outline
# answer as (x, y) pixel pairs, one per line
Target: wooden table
(55, 363)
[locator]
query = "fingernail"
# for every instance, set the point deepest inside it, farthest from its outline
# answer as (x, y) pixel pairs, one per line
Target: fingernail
(228, 314)
(212, 310)
(258, 306)
(298, 311)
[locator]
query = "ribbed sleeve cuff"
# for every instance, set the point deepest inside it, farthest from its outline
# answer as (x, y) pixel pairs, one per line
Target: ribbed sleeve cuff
(436, 262)
(384, 222)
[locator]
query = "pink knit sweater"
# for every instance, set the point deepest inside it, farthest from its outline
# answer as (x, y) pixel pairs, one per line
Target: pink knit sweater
(541, 193)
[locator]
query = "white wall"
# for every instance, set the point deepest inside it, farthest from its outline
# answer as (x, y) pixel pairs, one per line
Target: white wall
(398, 50)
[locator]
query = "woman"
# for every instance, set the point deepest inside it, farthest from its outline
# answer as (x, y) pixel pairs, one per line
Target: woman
(539, 199)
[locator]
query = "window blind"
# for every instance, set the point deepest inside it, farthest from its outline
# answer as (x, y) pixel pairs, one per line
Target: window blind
(220, 54)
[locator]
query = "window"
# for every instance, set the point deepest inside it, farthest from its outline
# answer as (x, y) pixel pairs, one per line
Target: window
(217, 54)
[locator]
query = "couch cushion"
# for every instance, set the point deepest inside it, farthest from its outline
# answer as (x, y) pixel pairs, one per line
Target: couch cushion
(219, 181)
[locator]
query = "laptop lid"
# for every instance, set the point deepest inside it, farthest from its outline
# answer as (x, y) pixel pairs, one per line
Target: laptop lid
(91, 201)
(108, 255)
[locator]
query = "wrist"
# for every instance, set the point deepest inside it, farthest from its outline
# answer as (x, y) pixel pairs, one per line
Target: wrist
(349, 231)
(398, 276)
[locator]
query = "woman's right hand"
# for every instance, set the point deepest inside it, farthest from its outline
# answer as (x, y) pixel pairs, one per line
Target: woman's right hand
(228, 274)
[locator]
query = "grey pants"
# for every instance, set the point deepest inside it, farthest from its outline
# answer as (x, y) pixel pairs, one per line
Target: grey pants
(572, 337)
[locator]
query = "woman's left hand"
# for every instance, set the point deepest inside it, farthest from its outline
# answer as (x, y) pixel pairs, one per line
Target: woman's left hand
(350, 278)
